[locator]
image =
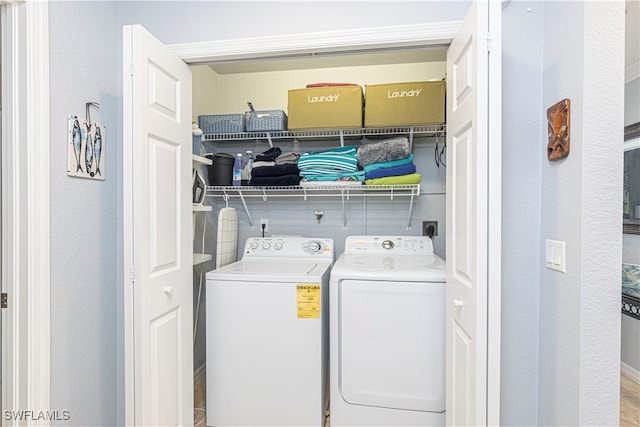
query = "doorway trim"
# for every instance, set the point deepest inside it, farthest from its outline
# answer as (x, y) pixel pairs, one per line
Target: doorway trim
(26, 206)
(306, 44)
(360, 40)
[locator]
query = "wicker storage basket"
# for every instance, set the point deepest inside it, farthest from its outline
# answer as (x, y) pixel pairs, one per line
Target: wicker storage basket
(266, 120)
(222, 123)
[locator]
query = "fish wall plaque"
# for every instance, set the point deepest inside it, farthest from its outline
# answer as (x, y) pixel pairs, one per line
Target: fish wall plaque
(86, 148)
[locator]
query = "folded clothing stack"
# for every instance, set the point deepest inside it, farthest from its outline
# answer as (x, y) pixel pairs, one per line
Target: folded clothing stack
(269, 170)
(388, 162)
(334, 164)
(269, 156)
(289, 158)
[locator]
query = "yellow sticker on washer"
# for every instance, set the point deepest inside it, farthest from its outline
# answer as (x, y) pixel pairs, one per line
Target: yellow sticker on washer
(308, 300)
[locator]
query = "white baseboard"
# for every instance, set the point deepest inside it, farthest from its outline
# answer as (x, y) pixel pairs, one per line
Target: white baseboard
(630, 372)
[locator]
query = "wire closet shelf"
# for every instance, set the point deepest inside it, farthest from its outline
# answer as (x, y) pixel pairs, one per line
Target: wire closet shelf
(342, 134)
(345, 192)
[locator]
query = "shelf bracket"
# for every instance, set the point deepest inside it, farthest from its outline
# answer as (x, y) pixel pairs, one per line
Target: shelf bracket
(269, 140)
(411, 139)
(341, 138)
(246, 210)
(304, 191)
(410, 212)
(344, 211)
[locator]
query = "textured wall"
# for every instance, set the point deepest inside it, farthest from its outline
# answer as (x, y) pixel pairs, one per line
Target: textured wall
(522, 133)
(601, 221)
(84, 52)
(583, 61)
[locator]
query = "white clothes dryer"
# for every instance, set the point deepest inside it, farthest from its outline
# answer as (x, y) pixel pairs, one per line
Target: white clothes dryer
(267, 334)
(387, 310)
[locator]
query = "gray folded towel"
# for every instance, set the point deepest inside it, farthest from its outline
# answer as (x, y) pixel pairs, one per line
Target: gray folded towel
(289, 158)
(370, 152)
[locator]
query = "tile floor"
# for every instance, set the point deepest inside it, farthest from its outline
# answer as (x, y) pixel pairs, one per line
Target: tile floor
(629, 402)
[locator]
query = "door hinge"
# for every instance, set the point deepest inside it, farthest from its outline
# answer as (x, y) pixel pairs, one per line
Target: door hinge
(132, 276)
(3, 300)
(131, 68)
(488, 42)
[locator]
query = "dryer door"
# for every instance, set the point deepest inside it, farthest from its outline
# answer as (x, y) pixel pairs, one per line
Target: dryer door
(392, 344)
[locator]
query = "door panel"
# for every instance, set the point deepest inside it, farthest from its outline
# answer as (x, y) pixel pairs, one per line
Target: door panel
(391, 344)
(461, 394)
(265, 365)
(164, 92)
(166, 384)
(462, 148)
(157, 227)
(164, 221)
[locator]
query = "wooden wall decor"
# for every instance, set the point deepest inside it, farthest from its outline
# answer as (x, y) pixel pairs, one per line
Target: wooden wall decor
(558, 118)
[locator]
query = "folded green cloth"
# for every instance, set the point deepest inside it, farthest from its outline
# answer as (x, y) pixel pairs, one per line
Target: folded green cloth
(412, 178)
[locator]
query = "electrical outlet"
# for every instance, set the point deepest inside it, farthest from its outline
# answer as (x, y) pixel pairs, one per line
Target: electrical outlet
(265, 222)
(430, 228)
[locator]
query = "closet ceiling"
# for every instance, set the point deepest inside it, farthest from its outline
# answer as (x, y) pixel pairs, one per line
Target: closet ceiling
(330, 60)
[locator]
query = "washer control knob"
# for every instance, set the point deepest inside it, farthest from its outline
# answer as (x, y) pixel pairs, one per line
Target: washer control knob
(277, 246)
(387, 244)
(266, 245)
(314, 247)
(253, 245)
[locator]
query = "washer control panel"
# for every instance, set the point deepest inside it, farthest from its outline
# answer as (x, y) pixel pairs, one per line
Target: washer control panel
(288, 247)
(420, 245)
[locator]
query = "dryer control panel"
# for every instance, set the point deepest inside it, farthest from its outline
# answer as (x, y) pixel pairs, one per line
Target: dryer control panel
(409, 245)
(293, 247)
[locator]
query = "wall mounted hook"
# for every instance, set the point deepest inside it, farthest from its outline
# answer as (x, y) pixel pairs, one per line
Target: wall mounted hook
(87, 106)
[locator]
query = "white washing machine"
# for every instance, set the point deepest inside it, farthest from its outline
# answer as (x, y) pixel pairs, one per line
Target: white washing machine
(268, 334)
(387, 304)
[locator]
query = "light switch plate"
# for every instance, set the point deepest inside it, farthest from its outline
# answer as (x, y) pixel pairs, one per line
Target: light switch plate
(555, 255)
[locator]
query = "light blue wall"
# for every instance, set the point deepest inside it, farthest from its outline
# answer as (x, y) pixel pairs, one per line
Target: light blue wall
(580, 310)
(84, 67)
(522, 131)
(86, 282)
